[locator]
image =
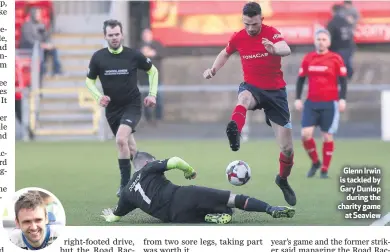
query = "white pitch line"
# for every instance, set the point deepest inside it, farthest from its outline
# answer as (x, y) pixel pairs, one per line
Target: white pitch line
(382, 221)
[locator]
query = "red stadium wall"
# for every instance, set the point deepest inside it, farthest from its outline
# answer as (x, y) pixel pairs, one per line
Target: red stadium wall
(184, 23)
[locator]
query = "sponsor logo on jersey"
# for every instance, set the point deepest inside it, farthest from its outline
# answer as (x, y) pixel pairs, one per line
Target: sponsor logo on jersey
(116, 72)
(317, 68)
(277, 36)
(255, 56)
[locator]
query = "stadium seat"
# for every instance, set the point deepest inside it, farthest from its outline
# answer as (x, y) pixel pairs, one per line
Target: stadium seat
(19, 4)
(22, 71)
(19, 13)
(19, 19)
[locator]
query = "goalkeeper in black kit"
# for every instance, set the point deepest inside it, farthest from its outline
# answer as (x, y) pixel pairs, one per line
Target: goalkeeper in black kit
(154, 194)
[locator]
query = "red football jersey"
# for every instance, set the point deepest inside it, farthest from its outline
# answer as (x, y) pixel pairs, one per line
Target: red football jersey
(323, 71)
(260, 68)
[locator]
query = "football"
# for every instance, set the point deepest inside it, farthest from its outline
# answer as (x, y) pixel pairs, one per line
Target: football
(238, 173)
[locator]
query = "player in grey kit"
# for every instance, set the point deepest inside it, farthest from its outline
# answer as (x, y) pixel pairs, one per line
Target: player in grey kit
(154, 194)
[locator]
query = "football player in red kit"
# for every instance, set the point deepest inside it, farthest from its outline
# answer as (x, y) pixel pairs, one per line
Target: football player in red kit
(261, 47)
(324, 70)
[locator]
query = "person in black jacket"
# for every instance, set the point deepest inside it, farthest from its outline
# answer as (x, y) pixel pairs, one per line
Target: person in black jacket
(342, 38)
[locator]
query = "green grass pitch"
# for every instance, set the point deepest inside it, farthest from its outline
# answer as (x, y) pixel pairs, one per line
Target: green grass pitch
(85, 177)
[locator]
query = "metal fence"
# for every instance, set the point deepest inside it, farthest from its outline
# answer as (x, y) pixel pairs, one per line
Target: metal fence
(200, 112)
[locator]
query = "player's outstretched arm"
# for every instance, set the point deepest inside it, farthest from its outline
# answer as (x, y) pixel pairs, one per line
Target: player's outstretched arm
(122, 209)
(161, 166)
(92, 74)
(109, 216)
(91, 85)
(298, 93)
(300, 83)
(153, 80)
(219, 62)
(146, 65)
(343, 87)
(342, 93)
(180, 164)
(299, 87)
(343, 75)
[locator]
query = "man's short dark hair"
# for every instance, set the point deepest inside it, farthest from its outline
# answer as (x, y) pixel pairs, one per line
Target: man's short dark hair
(111, 23)
(347, 2)
(29, 200)
(251, 9)
(140, 158)
(337, 8)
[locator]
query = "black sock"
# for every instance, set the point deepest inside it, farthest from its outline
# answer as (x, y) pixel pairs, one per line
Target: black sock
(125, 168)
(255, 205)
(245, 203)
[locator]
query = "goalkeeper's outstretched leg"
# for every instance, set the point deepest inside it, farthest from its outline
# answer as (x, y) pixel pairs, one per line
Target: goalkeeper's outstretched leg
(215, 206)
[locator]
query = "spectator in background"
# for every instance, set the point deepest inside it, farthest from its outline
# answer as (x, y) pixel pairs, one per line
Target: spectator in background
(49, 5)
(153, 50)
(342, 37)
(34, 30)
(351, 13)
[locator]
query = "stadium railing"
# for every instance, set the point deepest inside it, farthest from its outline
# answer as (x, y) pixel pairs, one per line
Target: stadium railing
(32, 96)
(368, 105)
(35, 84)
(84, 101)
